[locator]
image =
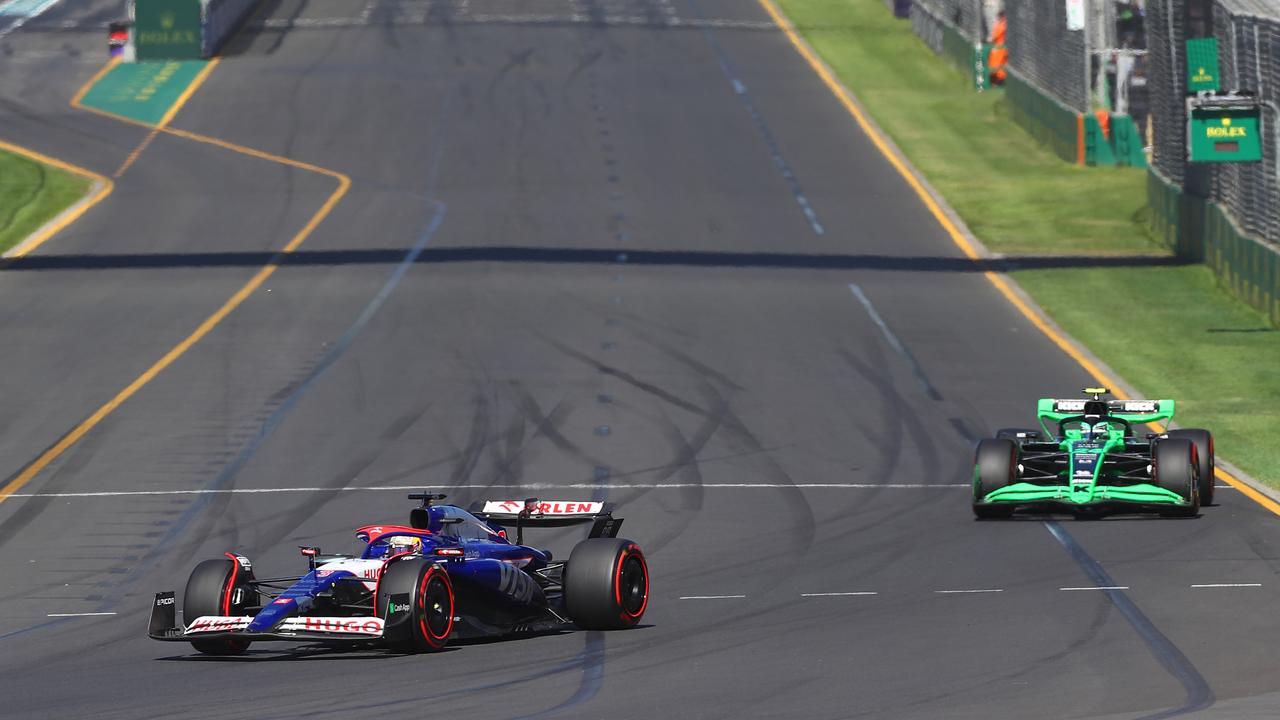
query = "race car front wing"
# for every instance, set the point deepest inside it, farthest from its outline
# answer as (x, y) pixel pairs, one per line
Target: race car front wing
(164, 626)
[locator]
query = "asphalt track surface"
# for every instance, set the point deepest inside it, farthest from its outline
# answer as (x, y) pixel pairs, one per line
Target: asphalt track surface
(576, 252)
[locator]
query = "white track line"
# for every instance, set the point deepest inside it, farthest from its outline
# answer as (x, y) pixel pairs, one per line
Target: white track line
(836, 594)
(961, 592)
(530, 486)
(93, 614)
(1227, 585)
(711, 597)
(1102, 587)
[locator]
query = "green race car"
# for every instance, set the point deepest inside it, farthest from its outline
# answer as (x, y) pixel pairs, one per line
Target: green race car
(1095, 454)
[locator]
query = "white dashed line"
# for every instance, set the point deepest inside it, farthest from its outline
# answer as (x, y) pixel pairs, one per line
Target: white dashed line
(711, 597)
(961, 592)
(836, 594)
(1227, 585)
(1101, 587)
(93, 614)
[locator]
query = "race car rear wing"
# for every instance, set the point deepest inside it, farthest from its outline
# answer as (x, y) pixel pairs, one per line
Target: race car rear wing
(533, 512)
(1134, 412)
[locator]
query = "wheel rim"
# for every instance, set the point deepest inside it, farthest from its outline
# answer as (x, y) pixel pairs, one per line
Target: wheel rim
(633, 585)
(435, 606)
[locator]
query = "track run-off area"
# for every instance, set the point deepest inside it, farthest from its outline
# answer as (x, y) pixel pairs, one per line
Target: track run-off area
(636, 249)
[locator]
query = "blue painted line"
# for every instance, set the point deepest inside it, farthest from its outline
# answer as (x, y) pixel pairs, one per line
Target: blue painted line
(775, 151)
(896, 344)
(247, 452)
(591, 658)
(592, 661)
(276, 418)
(42, 626)
(1199, 694)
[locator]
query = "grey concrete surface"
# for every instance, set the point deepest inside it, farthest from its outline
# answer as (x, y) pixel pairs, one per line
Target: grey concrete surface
(617, 285)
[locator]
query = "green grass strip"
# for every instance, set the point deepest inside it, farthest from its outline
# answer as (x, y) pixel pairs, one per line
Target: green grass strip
(1171, 331)
(32, 194)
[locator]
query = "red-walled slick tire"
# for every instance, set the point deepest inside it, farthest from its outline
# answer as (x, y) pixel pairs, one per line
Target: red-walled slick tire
(416, 599)
(606, 584)
(211, 590)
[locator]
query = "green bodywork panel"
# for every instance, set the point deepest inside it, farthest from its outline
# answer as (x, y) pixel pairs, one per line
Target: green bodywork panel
(1086, 446)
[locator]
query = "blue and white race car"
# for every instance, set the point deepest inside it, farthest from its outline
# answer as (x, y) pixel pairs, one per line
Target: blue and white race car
(450, 573)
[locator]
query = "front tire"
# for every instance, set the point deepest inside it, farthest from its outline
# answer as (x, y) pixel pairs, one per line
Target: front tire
(211, 590)
(1203, 440)
(416, 600)
(606, 584)
(1175, 467)
(995, 463)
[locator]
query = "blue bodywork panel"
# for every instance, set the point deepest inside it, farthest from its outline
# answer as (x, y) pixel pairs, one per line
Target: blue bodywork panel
(481, 559)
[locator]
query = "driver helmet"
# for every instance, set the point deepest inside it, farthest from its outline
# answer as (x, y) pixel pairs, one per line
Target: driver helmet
(404, 544)
(1102, 429)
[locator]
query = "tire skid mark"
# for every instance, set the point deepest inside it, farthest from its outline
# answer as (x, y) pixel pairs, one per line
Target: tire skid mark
(509, 454)
(899, 424)
(478, 435)
(210, 510)
(627, 378)
(684, 462)
(802, 530)
(282, 524)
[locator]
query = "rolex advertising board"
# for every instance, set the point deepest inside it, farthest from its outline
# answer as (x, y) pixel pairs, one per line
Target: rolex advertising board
(1224, 135)
(167, 29)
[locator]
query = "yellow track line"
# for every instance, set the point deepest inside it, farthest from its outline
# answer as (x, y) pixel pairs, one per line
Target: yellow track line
(195, 84)
(999, 281)
(105, 186)
(84, 89)
(29, 472)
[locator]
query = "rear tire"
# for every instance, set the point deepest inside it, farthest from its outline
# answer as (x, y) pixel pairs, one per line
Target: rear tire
(1203, 441)
(210, 591)
(606, 584)
(415, 598)
(1012, 434)
(994, 463)
(1175, 468)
